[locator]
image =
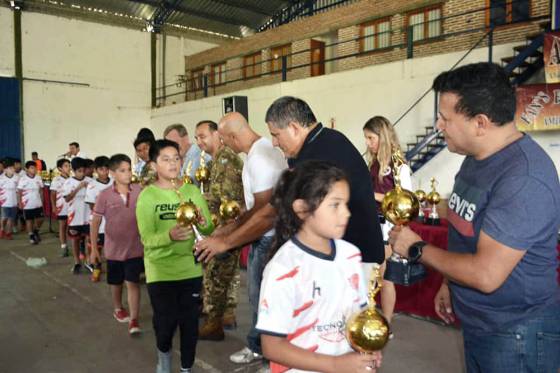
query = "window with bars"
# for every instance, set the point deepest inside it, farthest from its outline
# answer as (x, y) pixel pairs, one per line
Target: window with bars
(375, 35)
(218, 74)
(501, 12)
(196, 80)
(252, 65)
(276, 57)
(426, 23)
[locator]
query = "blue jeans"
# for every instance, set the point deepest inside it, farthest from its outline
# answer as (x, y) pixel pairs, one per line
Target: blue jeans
(258, 256)
(532, 346)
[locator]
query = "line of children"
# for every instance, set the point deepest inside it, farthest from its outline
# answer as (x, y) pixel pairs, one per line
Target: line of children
(122, 248)
(59, 204)
(97, 185)
(30, 201)
(8, 199)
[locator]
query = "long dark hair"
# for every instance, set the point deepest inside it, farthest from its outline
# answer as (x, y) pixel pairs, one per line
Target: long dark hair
(309, 181)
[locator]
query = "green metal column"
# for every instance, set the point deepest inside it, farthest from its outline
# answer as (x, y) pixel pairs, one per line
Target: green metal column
(153, 40)
(19, 73)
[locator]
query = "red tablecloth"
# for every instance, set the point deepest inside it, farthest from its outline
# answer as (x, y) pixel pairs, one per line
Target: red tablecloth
(418, 299)
(47, 209)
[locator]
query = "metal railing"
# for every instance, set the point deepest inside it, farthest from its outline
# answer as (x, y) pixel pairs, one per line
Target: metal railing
(451, 26)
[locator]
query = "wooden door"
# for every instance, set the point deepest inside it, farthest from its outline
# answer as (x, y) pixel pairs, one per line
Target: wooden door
(317, 58)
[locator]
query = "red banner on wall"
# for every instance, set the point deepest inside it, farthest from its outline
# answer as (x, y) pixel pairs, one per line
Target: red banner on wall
(538, 107)
(552, 57)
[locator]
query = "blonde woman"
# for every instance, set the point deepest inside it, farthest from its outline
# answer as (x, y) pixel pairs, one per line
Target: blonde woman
(381, 138)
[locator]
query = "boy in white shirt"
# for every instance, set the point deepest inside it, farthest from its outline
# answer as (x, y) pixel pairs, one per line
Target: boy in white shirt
(8, 199)
(59, 204)
(96, 186)
(74, 192)
(30, 200)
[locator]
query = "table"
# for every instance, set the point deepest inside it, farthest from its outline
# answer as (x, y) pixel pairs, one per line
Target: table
(47, 207)
(418, 299)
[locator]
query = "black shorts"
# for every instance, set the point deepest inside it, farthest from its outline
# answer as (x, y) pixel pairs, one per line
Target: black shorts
(77, 231)
(62, 217)
(31, 214)
(101, 239)
(129, 270)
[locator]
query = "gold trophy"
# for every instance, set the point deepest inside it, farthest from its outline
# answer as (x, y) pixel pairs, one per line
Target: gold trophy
(368, 331)
(421, 195)
(187, 176)
(134, 179)
(46, 176)
(229, 209)
(433, 199)
(399, 207)
(202, 173)
(187, 215)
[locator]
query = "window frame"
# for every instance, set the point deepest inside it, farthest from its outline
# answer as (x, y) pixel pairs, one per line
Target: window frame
(375, 35)
(426, 29)
(509, 13)
(222, 70)
(281, 49)
(197, 75)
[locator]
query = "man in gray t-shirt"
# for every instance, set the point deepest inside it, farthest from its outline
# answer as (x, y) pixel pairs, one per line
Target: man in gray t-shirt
(500, 270)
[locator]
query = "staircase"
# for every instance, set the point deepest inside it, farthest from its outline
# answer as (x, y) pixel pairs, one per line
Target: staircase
(527, 60)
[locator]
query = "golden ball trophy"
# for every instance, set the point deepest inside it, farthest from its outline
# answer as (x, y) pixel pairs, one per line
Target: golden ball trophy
(202, 173)
(229, 209)
(421, 196)
(368, 330)
(433, 199)
(399, 207)
(187, 215)
(187, 176)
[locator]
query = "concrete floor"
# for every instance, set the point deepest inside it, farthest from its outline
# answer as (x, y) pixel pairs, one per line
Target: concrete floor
(53, 321)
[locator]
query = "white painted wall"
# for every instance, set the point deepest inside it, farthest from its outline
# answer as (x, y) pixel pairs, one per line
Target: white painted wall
(7, 67)
(352, 97)
(103, 117)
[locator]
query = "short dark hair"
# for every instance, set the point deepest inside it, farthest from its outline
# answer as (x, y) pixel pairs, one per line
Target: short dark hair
(30, 164)
(16, 160)
(213, 126)
(8, 162)
(158, 145)
(116, 160)
(88, 163)
(61, 162)
(74, 144)
(143, 140)
(78, 163)
(34, 153)
(101, 161)
(290, 109)
(483, 88)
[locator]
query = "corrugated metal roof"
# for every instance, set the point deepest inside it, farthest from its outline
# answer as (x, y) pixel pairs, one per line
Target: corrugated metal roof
(227, 17)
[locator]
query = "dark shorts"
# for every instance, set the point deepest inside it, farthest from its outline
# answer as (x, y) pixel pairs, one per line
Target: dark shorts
(62, 217)
(31, 214)
(101, 239)
(128, 270)
(9, 213)
(77, 231)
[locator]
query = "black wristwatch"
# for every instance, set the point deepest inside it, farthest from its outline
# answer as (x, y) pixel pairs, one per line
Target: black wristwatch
(415, 251)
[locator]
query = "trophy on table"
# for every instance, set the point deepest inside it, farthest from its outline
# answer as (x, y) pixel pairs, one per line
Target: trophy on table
(187, 176)
(202, 173)
(399, 207)
(433, 199)
(421, 195)
(368, 331)
(46, 176)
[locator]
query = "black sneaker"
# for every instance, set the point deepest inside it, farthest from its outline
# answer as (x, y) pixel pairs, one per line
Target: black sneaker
(32, 239)
(76, 269)
(36, 235)
(89, 266)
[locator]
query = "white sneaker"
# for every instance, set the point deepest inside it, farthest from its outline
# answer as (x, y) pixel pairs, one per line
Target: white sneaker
(244, 356)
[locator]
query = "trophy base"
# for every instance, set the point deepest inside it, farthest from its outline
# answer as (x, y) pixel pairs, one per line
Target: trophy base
(402, 272)
(431, 221)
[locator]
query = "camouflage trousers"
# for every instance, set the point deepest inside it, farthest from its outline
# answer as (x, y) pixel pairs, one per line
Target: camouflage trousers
(220, 284)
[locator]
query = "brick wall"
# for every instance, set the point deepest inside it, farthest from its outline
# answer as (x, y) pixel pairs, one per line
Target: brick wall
(346, 21)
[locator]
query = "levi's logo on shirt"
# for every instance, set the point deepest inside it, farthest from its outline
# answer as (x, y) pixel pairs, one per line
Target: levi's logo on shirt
(462, 207)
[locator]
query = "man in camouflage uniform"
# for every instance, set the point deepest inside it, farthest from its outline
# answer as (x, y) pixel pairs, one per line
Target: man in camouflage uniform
(221, 274)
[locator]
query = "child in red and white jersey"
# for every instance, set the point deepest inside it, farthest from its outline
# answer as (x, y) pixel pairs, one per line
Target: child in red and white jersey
(314, 281)
(59, 204)
(8, 199)
(30, 200)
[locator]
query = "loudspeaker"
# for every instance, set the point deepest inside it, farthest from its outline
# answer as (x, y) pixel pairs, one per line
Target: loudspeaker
(236, 103)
